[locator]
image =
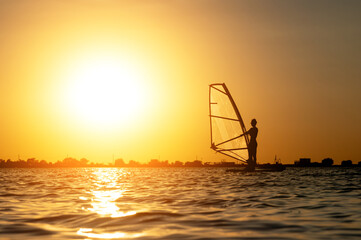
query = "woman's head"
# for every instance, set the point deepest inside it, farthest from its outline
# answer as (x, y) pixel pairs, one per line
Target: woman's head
(253, 122)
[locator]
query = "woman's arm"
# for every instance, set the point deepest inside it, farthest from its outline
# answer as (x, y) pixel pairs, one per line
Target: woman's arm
(244, 133)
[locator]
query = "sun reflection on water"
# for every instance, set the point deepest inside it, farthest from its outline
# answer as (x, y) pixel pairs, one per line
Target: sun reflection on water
(104, 197)
(104, 204)
(88, 232)
(107, 191)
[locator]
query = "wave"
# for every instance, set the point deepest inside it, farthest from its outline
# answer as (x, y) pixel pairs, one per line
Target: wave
(179, 204)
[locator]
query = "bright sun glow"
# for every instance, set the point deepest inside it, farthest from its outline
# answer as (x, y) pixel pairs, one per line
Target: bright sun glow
(105, 91)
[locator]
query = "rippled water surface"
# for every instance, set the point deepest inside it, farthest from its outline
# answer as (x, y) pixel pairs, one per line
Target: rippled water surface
(179, 203)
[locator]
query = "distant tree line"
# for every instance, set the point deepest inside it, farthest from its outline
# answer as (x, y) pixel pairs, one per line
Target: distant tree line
(34, 163)
(157, 163)
(72, 162)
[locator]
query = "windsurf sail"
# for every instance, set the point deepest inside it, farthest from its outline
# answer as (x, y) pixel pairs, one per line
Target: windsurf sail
(227, 127)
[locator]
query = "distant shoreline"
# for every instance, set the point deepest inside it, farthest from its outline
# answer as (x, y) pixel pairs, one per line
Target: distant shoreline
(154, 163)
(106, 166)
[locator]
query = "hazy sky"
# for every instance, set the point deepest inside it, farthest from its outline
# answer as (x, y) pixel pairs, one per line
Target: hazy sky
(292, 65)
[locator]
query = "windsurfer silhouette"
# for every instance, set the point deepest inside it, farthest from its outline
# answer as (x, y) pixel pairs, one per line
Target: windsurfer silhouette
(252, 147)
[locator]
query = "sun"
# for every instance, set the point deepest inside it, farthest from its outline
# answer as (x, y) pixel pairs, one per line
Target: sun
(106, 92)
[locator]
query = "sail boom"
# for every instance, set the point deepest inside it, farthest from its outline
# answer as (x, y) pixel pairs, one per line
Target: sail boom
(231, 149)
(244, 161)
(232, 119)
(228, 140)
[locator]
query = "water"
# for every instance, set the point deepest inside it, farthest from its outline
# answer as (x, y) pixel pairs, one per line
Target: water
(179, 203)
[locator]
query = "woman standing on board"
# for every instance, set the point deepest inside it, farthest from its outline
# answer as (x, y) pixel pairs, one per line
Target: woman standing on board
(252, 147)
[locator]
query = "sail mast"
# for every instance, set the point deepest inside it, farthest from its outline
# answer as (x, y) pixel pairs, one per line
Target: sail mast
(210, 113)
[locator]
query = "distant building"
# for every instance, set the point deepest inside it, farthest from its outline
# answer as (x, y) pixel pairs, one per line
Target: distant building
(327, 162)
(225, 164)
(303, 162)
(195, 163)
(346, 163)
(119, 163)
(177, 164)
(208, 164)
(154, 163)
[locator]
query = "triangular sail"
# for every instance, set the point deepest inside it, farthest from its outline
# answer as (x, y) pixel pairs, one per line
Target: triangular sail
(226, 124)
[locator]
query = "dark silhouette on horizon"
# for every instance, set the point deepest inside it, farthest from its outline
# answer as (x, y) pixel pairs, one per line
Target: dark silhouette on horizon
(73, 163)
(327, 162)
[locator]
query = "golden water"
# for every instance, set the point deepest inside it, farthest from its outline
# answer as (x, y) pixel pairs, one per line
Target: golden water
(179, 203)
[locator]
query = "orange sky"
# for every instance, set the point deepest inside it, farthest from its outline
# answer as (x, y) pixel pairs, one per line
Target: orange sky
(294, 66)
